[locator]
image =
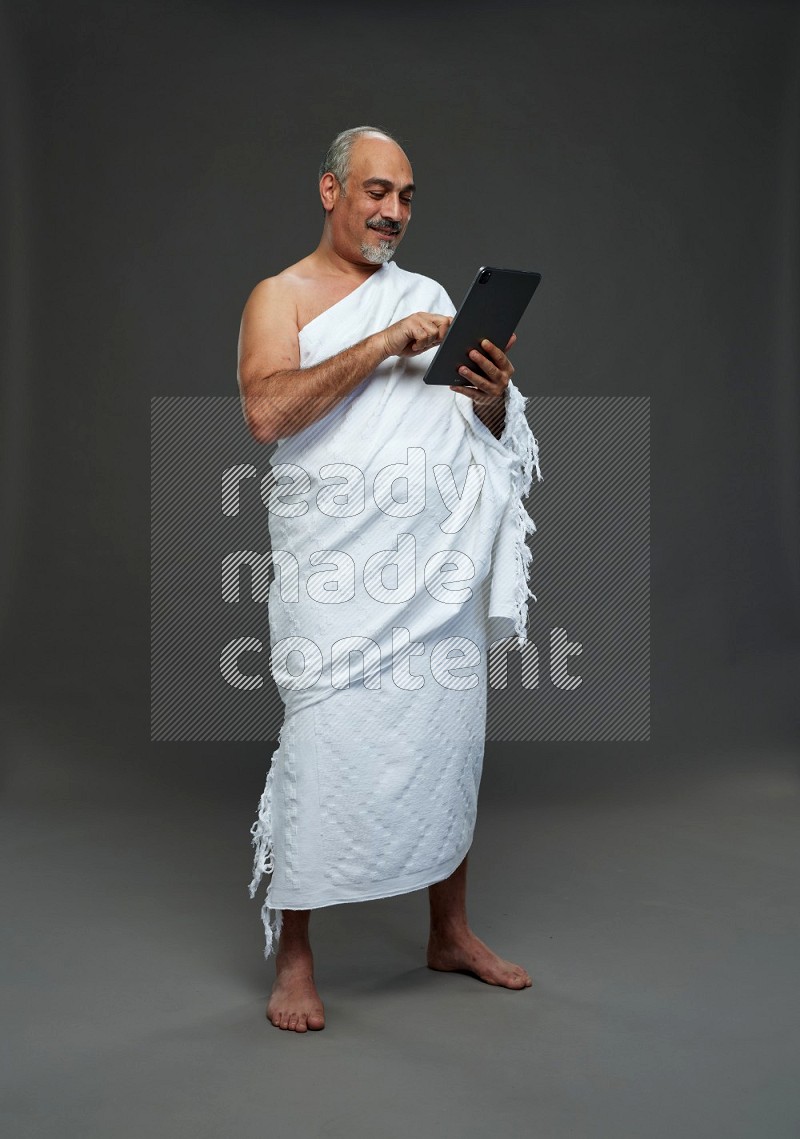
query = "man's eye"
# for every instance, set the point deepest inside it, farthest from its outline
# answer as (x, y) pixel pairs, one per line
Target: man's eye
(376, 194)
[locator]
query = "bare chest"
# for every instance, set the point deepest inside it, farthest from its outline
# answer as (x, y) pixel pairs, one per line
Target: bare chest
(316, 297)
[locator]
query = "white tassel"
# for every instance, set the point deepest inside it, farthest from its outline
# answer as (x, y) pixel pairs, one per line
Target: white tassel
(520, 440)
(264, 862)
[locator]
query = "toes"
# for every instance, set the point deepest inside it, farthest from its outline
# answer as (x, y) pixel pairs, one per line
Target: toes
(516, 980)
(296, 1021)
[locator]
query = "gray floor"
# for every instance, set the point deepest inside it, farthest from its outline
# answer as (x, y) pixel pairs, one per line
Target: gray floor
(650, 890)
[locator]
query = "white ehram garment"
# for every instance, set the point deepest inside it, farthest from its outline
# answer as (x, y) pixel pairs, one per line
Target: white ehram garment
(373, 788)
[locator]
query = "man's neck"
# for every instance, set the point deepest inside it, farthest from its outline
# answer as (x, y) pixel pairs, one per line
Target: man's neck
(329, 262)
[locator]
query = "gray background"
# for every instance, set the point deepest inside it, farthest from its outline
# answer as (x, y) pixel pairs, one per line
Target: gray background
(161, 159)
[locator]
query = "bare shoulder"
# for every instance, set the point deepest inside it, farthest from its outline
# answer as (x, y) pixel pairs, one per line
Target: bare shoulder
(278, 293)
(269, 329)
(298, 294)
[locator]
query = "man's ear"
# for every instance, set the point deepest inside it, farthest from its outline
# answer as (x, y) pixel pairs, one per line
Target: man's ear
(328, 191)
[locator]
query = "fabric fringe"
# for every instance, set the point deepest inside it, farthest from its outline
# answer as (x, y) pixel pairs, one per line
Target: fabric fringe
(264, 862)
(520, 440)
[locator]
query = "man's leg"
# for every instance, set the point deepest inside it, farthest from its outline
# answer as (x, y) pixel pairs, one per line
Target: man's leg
(294, 1002)
(453, 947)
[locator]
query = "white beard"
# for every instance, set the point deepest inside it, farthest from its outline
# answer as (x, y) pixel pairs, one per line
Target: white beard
(377, 254)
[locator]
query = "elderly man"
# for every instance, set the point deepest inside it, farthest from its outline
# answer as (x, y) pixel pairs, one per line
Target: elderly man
(372, 791)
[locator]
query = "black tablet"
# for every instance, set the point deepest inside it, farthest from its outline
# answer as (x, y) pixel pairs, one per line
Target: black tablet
(491, 310)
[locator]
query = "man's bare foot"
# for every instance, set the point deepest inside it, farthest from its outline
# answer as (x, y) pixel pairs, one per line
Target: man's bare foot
(463, 952)
(294, 1002)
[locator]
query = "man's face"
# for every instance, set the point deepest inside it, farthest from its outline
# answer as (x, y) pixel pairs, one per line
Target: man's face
(368, 222)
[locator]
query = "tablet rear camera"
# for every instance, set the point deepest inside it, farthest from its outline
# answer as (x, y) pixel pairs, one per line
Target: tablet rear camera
(484, 277)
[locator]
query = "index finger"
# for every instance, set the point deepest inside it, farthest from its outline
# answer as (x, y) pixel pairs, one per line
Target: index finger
(492, 350)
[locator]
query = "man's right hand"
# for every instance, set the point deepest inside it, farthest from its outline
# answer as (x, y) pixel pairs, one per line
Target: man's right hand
(416, 333)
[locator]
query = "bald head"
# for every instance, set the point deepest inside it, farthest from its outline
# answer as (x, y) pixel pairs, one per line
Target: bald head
(339, 155)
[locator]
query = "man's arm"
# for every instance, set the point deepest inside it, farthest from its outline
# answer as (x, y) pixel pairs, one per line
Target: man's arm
(279, 397)
(493, 415)
(489, 395)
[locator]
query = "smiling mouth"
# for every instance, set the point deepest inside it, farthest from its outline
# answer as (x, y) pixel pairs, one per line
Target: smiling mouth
(385, 233)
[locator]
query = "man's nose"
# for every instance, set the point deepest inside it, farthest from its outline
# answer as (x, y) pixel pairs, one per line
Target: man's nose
(391, 207)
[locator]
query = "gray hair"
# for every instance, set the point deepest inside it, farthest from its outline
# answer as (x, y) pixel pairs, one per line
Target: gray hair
(337, 156)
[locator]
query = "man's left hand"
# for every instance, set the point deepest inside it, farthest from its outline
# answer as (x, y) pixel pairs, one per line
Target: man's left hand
(488, 393)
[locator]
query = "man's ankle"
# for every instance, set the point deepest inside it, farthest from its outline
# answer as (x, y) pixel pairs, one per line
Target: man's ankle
(296, 952)
(448, 929)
